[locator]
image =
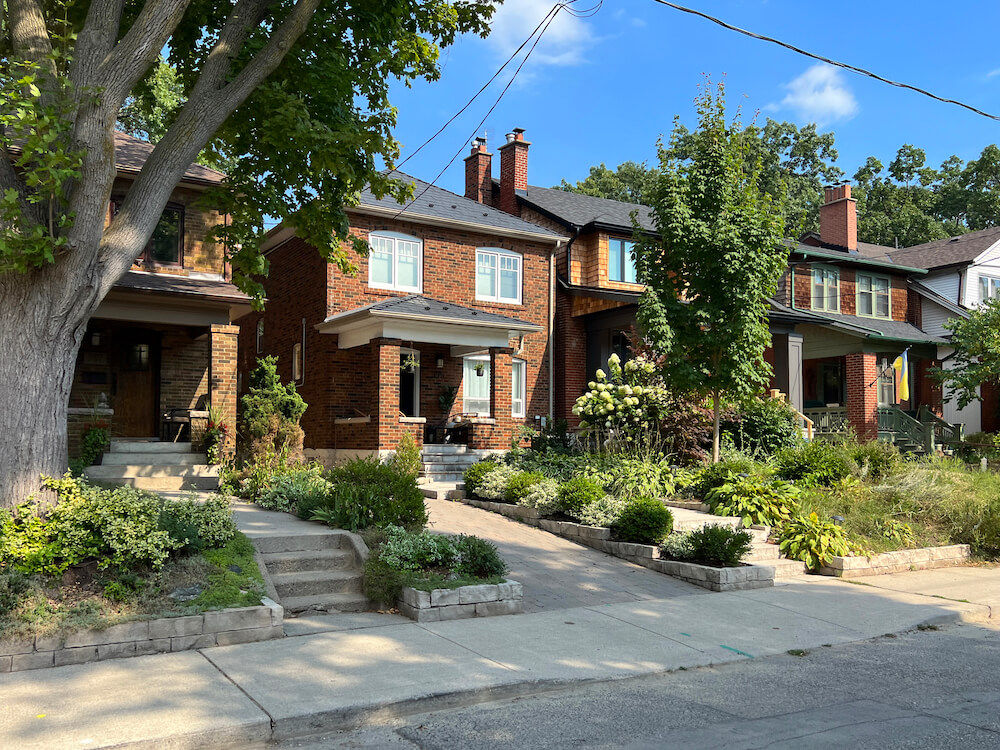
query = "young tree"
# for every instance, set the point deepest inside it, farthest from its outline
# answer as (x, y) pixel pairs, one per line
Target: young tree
(977, 353)
(295, 93)
(716, 261)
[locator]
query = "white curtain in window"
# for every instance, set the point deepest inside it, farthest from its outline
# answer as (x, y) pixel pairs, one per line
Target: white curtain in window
(476, 385)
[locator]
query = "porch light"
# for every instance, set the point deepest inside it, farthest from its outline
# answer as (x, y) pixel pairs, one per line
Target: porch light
(440, 362)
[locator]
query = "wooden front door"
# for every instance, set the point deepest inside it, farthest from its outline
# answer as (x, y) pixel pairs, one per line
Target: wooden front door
(137, 389)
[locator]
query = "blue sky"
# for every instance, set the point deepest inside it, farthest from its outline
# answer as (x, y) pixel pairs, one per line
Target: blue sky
(605, 88)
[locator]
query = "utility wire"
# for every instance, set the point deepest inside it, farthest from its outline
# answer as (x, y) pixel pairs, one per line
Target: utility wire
(827, 60)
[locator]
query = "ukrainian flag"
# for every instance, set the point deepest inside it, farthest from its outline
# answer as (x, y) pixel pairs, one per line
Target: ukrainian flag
(902, 368)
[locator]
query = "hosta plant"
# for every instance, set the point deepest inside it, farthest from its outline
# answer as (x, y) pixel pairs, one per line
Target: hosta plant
(755, 499)
(813, 540)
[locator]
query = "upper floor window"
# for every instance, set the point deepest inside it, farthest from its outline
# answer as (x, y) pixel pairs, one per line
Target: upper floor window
(498, 275)
(874, 298)
(825, 289)
(166, 244)
(518, 387)
(621, 260)
(395, 262)
(989, 286)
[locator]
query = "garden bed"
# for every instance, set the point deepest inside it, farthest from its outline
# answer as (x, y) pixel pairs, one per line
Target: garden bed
(646, 555)
(482, 600)
(897, 562)
(223, 627)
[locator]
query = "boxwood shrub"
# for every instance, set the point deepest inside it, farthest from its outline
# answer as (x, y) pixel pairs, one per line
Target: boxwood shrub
(643, 520)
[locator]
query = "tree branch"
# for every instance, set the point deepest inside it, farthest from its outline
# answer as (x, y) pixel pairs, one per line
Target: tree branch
(96, 40)
(29, 34)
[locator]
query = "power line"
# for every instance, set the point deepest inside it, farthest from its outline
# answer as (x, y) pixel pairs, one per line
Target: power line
(547, 20)
(827, 60)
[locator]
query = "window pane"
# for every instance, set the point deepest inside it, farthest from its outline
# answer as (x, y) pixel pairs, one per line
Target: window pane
(615, 260)
(517, 388)
(882, 301)
(486, 275)
(510, 280)
(477, 385)
(817, 293)
(865, 303)
(407, 264)
(380, 261)
(628, 251)
(165, 244)
(865, 283)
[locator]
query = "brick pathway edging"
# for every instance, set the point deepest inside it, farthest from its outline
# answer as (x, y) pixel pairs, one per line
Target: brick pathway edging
(224, 627)
(647, 555)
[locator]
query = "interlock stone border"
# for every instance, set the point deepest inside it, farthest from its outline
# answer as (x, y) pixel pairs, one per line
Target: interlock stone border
(483, 600)
(899, 561)
(224, 627)
(715, 579)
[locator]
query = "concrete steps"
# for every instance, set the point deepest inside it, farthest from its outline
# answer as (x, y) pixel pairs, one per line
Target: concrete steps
(154, 465)
(443, 490)
(446, 463)
(314, 572)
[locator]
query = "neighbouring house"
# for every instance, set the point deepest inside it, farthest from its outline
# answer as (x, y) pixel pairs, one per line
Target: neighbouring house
(839, 319)
(443, 332)
(162, 345)
(962, 272)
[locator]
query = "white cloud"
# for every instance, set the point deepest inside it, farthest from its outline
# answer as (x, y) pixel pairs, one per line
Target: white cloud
(993, 73)
(820, 95)
(564, 43)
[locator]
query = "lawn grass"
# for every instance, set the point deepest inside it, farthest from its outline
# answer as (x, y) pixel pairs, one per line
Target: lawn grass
(51, 607)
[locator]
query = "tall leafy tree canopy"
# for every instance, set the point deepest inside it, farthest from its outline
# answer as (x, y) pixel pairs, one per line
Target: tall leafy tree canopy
(977, 353)
(715, 261)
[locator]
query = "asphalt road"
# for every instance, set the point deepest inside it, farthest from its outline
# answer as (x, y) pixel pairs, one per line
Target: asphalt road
(927, 689)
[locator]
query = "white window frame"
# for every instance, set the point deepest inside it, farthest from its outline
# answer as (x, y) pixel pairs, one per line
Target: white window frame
(992, 284)
(260, 335)
(396, 238)
(500, 256)
(830, 283)
(858, 293)
(627, 261)
(485, 359)
(523, 395)
(298, 363)
(407, 352)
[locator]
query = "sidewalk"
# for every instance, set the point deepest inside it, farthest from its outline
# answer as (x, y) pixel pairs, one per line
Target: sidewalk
(238, 695)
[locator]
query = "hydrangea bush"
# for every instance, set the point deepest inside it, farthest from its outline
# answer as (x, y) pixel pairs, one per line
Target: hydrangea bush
(627, 400)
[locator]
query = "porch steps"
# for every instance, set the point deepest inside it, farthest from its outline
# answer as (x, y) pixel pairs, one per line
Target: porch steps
(314, 572)
(443, 490)
(446, 463)
(155, 465)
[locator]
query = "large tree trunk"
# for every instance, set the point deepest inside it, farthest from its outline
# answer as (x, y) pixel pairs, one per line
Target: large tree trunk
(39, 340)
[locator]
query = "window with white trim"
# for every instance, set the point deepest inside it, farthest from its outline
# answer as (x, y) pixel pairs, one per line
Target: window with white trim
(518, 387)
(989, 286)
(825, 289)
(395, 261)
(874, 297)
(498, 275)
(476, 383)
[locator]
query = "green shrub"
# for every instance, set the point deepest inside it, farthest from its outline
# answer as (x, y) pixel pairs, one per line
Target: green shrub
(813, 540)
(407, 459)
(604, 512)
(478, 558)
(876, 460)
(761, 427)
(720, 546)
(977, 524)
(817, 462)
(404, 550)
(678, 546)
(630, 477)
(96, 439)
(558, 465)
(381, 582)
(544, 497)
(475, 474)
(577, 493)
(718, 474)
(643, 520)
(494, 485)
(13, 588)
(520, 484)
(364, 492)
(755, 500)
(271, 413)
(285, 492)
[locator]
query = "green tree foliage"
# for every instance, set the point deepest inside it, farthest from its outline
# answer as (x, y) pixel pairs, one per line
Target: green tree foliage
(147, 114)
(715, 263)
(628, 183)
(271, 414)
(977, 353)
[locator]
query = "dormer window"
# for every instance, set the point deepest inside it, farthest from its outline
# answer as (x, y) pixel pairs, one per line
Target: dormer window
(825, 289)
(621, 260)
(874, 297)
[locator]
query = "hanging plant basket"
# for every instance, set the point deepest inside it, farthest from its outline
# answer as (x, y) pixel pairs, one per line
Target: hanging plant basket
(480, 369)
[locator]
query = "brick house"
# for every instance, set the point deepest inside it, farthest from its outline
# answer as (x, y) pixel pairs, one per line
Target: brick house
(443, 332)
(842, 314)
(162, 345)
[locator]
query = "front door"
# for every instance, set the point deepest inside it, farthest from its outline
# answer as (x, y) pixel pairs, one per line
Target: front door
(137, 389)
(409, 382)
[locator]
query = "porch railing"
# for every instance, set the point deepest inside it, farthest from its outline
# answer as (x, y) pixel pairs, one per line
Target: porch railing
(902, 428)
(945, 433)
(828, 420)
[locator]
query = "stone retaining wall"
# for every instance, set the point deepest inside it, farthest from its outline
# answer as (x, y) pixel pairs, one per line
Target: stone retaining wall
(647, 555)
(485, 600)
(224, 627)
(897, 562)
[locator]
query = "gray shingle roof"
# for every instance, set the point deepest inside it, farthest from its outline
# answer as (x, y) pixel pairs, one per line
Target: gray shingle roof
(579, 210)
(430, 200)
(417, 305)
(876, 328)
(952, 251)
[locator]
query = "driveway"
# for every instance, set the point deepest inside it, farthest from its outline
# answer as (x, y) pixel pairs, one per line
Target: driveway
(969, 583)
(555, 572)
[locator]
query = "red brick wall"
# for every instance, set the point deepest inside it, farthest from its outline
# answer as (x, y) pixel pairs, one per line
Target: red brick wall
(900, 298)
(479, 176)
(224, 342)
(838, 218)
(513, 174)
(862, 394)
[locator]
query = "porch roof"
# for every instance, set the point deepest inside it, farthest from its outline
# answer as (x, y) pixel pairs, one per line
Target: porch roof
(875, 328)
(213, 288)
(419, 318)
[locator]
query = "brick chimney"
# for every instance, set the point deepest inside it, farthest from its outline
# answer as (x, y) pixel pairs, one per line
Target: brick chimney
(479, 173)
(513, 170)
(838, 218)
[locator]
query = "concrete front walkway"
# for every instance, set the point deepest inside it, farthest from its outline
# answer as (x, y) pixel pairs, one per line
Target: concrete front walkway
(967, 583)
(556, 573)
(301, 685)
